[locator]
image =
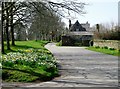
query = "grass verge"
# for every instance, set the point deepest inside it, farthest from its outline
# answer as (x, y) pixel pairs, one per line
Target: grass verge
(28, 61)
(105, 50)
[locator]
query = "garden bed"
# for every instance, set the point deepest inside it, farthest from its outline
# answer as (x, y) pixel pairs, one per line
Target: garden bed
(28, 61)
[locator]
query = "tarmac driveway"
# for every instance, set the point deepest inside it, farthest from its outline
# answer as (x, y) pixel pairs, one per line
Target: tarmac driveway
(82, 68)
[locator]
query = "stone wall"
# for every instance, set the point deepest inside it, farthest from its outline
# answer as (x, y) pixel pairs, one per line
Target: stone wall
(108, 43)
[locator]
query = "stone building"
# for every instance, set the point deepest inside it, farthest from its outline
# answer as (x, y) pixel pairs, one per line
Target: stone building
(78, 34)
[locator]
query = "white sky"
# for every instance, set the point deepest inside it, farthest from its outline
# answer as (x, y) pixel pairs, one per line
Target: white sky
(119, 13)
(98, 11)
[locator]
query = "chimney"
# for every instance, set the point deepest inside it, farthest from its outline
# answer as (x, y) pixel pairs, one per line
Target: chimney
(69, 23)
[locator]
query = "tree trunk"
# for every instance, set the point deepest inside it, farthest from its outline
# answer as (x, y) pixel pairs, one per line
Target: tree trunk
(12, 26)
(7, 28)
(2, 21)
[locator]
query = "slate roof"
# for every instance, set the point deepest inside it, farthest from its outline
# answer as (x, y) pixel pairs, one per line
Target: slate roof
(77, 27)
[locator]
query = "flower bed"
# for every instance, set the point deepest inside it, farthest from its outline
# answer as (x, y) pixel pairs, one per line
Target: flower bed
(38, 63)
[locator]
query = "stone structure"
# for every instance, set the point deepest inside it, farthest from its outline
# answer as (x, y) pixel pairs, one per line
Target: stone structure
(109, 43)
(78, 34)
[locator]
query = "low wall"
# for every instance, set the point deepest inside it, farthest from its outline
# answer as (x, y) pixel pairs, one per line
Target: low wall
(108, 43)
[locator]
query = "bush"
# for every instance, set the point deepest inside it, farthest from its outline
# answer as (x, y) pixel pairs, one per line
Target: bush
(97, 47)
(59, 43)
(105, 47)
(111, 48)
(110, 34)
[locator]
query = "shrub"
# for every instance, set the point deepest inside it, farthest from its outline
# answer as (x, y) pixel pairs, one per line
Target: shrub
(107, 33)
(111, 48)
(97, 47)
(105, 47)
(59, 43)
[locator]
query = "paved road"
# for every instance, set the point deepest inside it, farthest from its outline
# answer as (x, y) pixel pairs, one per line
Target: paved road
(82, 68)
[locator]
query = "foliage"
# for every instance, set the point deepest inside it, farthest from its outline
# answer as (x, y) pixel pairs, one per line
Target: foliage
(110, 32)
(28, 57)
(111, 48)
(59, 43)
(29, 64)
(105, 50)
(105, 47)
(97, 47)
(42, 29)
(18, 17)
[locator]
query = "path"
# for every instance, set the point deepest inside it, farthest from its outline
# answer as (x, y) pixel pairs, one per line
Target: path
(82, 68)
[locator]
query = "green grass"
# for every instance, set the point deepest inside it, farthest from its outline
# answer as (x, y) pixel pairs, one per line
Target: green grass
(22, 62)
(22, 73)
(105, 50)
(26, 45)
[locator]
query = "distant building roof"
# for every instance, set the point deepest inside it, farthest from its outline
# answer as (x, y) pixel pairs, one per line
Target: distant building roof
(81, 33)
(77, 27)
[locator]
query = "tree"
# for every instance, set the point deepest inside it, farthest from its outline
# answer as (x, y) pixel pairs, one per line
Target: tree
(7, 26)
(6, 23)
(11, 23)
(107, 32)
(2, 28)
(22, 12)
(97, 27)
(46, 27)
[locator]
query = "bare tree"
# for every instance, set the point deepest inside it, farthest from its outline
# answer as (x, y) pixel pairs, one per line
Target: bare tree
(107, 31)
(22, 12)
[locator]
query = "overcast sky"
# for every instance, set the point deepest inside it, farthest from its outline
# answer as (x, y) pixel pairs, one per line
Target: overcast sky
(98, 11)
(119, 13)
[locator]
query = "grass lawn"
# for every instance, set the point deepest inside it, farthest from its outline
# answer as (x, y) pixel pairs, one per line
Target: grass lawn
(25, 45)
(28, 61)
(105, 50)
